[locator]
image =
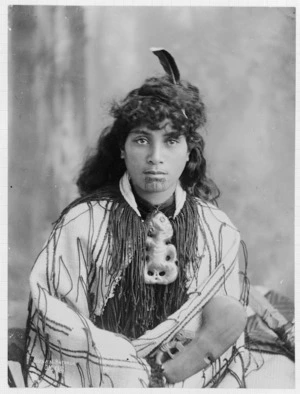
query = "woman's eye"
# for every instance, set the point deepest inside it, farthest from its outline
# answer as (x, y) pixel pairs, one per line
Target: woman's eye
(172, 141)
(141, 141)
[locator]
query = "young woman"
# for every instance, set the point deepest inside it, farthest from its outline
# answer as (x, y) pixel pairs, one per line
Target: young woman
(122, 282)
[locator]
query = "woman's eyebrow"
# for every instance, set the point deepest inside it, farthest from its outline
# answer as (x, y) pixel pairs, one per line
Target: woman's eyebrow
(173, 134)
(139, 131)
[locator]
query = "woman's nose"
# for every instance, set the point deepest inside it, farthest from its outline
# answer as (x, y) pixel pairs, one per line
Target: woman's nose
(156, 154)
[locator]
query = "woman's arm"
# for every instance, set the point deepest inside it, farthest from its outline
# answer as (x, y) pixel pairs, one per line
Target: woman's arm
(64, 347)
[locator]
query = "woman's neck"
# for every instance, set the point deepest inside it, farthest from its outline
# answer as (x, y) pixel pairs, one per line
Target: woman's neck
(146, 207)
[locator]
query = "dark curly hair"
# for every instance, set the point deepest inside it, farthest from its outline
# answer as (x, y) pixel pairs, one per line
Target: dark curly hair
(156, 100)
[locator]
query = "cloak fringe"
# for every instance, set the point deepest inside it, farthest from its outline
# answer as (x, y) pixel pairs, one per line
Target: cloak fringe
(136, 306)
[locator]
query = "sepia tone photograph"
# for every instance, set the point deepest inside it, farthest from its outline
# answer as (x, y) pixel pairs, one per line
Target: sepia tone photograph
(151, 170)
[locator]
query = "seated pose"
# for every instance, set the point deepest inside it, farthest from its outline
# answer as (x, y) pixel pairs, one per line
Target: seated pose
(138, 284)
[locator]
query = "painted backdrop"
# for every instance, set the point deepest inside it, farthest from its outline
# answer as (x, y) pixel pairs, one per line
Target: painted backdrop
(66, 66)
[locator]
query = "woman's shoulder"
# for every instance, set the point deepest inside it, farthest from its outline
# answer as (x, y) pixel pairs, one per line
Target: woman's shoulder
(98, 202)
(84, 211)
(213, 213)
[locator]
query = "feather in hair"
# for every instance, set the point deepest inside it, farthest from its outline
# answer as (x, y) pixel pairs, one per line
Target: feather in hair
(168, 63)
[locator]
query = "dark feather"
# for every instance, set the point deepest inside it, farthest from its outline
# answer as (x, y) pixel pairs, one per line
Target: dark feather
(168, 63)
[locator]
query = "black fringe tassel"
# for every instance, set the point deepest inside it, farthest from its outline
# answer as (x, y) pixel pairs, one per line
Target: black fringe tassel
(136, 306)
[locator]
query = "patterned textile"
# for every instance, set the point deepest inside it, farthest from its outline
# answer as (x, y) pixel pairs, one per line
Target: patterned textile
(78, 272)
(260, 337)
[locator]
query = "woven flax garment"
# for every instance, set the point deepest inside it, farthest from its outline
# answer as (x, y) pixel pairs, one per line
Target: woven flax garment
(72, 280)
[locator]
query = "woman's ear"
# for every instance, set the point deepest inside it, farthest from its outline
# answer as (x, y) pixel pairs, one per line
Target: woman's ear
(122, 154)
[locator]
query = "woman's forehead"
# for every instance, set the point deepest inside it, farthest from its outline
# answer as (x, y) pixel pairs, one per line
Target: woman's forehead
(166, 126)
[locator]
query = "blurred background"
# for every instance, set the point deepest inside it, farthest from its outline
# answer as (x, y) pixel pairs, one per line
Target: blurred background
(66, 66)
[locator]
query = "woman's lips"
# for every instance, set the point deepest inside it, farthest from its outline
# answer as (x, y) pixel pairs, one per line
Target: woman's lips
(151, 172)
(155, 176)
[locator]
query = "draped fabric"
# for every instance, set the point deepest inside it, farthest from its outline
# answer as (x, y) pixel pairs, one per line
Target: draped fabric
(91, 249)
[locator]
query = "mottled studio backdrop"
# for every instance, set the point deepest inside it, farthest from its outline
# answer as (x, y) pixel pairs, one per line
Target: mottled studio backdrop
(66, 65)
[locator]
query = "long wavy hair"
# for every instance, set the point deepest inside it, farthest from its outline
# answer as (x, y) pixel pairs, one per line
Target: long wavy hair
(156, 100)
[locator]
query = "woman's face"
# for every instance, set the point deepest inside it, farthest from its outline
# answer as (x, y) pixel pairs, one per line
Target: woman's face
(155, 160)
